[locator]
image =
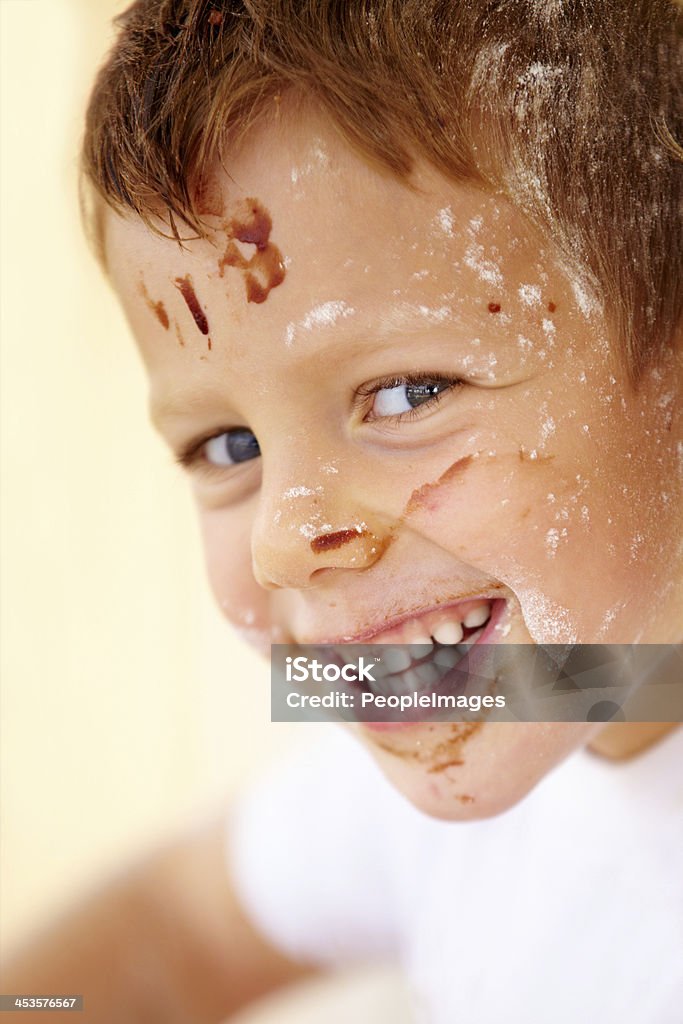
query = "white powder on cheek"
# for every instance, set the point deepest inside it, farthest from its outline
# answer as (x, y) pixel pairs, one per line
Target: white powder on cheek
(547, 621)
(608, 619)
(300, 492)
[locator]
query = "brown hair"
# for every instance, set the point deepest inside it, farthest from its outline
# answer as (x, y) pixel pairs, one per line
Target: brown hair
(569, 107)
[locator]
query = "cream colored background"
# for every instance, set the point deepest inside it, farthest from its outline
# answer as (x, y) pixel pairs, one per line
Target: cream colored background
(127, 706)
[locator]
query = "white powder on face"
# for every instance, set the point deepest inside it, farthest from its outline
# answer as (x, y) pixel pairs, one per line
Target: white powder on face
(487, 270)
(300, 492)
(530, 294)
(437, 315)
(329, 467)
(318, 158)
(548, 428)
(587, 302)
(608, 618)
(326, 314)
(310, 529)
(444, 220)
(549, 330)
(552, 541)
(547, 621)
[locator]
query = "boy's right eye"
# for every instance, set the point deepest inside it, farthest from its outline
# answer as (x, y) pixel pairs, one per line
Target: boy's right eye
(231, 447)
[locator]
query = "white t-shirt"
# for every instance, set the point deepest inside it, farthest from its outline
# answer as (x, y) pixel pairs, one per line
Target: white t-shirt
(568, 908)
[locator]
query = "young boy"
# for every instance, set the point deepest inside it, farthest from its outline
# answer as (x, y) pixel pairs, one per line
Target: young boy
(406, 278)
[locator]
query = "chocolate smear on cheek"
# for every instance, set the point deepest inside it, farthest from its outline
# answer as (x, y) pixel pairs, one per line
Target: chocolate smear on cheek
(423, 497)
(157, 308)
(184, 286)
(265, 270)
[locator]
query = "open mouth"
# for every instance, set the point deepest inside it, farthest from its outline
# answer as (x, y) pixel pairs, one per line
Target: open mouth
(424, 652)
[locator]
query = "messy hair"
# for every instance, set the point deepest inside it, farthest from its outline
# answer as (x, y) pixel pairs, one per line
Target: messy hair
(571, 108)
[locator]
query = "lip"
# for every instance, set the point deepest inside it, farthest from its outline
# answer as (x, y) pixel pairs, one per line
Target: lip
(488, 636)
(366, 635)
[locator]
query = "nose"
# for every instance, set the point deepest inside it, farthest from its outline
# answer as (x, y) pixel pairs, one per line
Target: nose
(303, 531)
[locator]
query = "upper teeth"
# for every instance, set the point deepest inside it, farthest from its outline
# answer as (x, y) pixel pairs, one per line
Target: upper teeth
(444, 626)
(449, 632)
(414, 640)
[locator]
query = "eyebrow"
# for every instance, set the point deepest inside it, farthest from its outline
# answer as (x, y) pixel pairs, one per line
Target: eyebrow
(404, 320)
(182, 402)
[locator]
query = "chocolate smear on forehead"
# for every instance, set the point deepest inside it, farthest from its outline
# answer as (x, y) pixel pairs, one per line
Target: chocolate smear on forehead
(552, 306)
(494, 307)
(184, 286)
(157, 308)
(265, 269)
(332, 541)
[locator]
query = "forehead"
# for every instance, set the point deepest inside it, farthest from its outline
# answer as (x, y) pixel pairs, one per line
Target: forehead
(305, 235)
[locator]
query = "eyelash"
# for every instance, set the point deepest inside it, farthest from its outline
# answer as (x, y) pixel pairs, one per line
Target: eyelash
(190, 455)
(368, 390)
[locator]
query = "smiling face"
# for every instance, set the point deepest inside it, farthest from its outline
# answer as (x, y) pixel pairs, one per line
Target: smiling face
(395, 406)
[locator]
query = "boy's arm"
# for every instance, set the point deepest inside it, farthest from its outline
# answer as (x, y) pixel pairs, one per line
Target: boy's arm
(167, 943)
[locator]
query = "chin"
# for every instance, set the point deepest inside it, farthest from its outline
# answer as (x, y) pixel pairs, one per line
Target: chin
(466, 771)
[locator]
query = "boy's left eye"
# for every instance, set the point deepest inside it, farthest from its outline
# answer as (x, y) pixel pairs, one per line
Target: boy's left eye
(398, 397)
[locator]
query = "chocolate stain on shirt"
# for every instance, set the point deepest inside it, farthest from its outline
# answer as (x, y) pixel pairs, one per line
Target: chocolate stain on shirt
(421, 496)
(186, 289)
(332, 541)
(264, 270)
(157, 308)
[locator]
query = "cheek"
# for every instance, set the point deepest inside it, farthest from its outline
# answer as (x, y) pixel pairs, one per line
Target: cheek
(226, 537)
(487, 505)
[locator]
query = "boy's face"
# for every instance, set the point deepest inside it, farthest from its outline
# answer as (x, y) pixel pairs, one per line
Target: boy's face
(409, 375)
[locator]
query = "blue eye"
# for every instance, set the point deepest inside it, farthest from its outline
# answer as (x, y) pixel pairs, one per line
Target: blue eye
(232, 447)
(404, 396)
